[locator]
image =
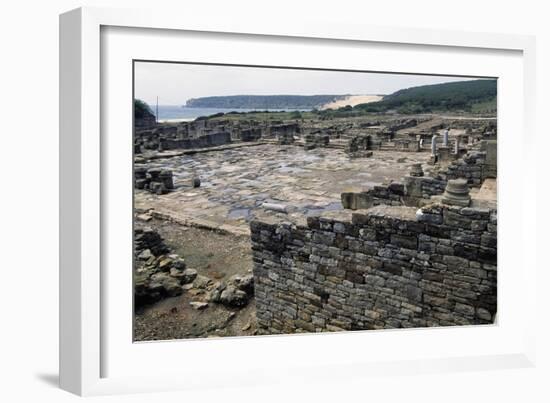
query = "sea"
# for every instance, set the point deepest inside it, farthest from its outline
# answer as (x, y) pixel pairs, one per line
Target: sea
(177, 113)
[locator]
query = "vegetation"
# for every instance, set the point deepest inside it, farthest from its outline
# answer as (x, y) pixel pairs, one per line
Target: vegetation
(141, 109)
(263, 101)
(456, 96)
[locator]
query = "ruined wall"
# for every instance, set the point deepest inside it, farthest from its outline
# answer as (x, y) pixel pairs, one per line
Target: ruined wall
(407, 193)
(381, 268)
(391, 194)
(251, 134)
(476, 166)
(208, 140)
(469, 167)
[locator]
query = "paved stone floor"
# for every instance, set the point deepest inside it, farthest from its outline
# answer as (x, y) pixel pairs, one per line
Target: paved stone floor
(237, 182)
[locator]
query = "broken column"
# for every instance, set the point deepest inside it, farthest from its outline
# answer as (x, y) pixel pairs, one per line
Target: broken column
(446, 138)
(166, 178)
(434, 146)
(490, 166)
(416, 170)
(433, 156)
(457, 193)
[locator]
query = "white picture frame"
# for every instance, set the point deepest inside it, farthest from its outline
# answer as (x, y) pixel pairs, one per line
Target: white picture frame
(96, 357)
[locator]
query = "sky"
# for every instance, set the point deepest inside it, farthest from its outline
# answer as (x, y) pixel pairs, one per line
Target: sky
(175, 83)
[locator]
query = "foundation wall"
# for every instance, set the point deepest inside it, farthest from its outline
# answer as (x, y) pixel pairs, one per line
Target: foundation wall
(381, 268)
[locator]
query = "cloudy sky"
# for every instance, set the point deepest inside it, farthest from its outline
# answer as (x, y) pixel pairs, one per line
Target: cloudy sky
(175, 83)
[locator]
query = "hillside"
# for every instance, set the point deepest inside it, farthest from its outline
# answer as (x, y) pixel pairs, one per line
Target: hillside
(468, 96)
(263, 101)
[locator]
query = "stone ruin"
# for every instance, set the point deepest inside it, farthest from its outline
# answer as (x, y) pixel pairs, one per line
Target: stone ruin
(159, 181)
(457, 193)
(204, 141)
(385, 267)
(411, 254)
(155, 180)
(316, 140)
(396, 257)
(285, 139)
(416, 170)
(285, 132)
(359, 146)
(250, 134)
(159, 274)
(417, 189)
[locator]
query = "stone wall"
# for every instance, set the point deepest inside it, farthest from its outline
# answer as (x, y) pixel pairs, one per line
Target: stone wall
(475, 166)
(251, 134)
(469, 167)
(386, 267)
(391, 194)
(208, 140)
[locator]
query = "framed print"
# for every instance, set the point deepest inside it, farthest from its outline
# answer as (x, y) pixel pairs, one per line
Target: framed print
(258, 200)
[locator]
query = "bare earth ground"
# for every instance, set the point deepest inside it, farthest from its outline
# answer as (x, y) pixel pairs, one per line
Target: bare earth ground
(214, 255)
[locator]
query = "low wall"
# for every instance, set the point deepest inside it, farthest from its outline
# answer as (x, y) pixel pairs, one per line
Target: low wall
(476, 166)
(386, 267)
(208, 140)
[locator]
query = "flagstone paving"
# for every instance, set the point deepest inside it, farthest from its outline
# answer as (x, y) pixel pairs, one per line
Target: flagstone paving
(235, 183)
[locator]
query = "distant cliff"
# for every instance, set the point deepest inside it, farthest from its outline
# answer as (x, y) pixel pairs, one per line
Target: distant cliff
(263, 101)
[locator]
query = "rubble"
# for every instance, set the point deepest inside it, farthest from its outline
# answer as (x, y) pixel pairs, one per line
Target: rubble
(156, 180)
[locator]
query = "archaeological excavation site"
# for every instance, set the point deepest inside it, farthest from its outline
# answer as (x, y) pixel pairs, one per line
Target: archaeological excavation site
(357, 217)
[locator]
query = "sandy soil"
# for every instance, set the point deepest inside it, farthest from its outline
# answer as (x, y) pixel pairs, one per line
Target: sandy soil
(352, 100)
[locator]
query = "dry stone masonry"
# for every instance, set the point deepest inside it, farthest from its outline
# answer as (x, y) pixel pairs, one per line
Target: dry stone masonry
(386, 267)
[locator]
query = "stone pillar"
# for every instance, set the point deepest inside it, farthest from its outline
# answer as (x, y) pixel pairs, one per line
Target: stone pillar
(490, 165)
(457, 145)
(457, 193)
(434, 146)
(140, 177)
(446, 138)
(166, 178)
(413, 187)
(416, 170)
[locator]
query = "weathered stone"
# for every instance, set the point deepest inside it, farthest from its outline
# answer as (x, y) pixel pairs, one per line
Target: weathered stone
(392, 271)
(201, 281)
(198, 305)
(232, 296)
(457, 193)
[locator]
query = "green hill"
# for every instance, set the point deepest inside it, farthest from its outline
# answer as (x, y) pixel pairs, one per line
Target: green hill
(262, 101)
(469, 96)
